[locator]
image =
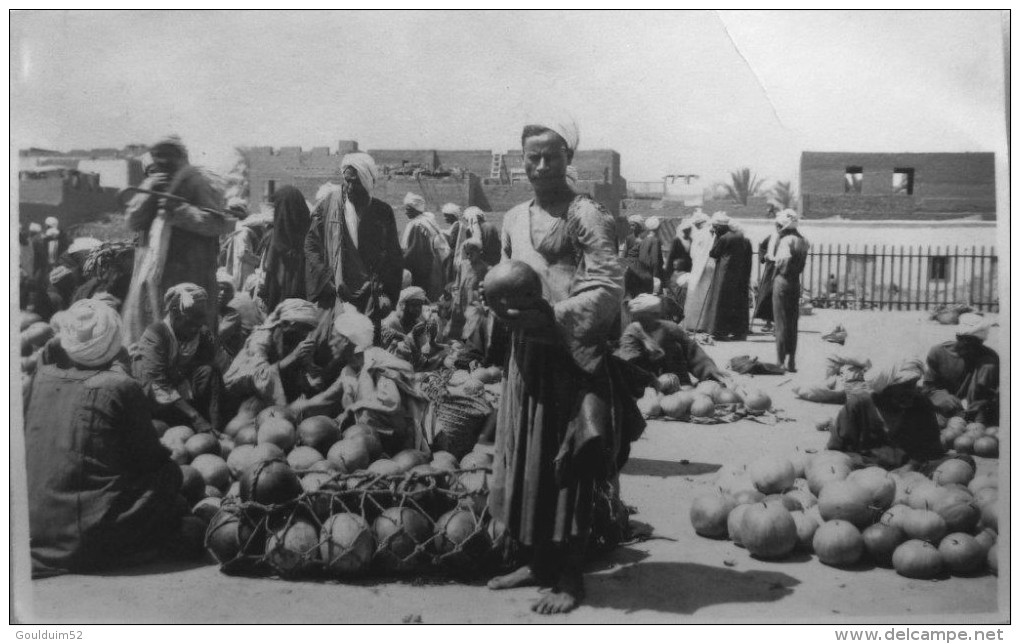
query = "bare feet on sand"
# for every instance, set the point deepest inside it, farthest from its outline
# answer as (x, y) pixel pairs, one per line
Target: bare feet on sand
(519, 578)
(563, 598)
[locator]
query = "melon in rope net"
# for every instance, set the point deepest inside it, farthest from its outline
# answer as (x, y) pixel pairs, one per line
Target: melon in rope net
(270, 482)
(303, 457)
(474, 487)
(348, 544)
(293, 548)
(409, 458)
(228, 535)
(399, 532)
(319, 433)
(352, 454)
(461, 537)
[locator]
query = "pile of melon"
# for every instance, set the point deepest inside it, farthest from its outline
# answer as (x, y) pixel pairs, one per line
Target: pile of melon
(970, 438)
(924, 528)
(273, 499)
(684, 402)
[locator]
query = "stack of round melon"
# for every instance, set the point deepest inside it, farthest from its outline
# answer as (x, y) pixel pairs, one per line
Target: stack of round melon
(970, 438)
(315, 463)
(921, 527)
(684, 402)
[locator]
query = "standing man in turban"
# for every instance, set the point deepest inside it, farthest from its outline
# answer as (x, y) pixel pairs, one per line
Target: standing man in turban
(426, 249)
(102, 491)
(352, 251)
(702, 270)
(644, 260)
(566, 416)
(791, 256)
(175, 360)
(726, 310)
(963, 374)
(178, 241)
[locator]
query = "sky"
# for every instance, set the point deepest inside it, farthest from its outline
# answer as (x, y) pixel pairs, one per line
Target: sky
(699, 92)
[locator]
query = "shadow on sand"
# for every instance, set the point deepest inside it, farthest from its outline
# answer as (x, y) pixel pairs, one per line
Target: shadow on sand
(683, 587)
(662, 469)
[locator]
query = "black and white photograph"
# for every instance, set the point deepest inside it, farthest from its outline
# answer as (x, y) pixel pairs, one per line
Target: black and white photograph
(538, 317)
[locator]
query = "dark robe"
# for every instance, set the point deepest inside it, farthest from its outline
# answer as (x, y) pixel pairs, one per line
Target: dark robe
(666, 348)
(786, 292)
(102, 491)
(422, 258)
(644, 264)
(285, 257)
(679, 259)
(491, 249)
(372, 269)
(763, 302)
(952, 378)
(887, 434)
(726, 307)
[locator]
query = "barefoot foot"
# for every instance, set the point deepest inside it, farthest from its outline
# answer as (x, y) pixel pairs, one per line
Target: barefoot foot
(519, 578)
(563, 598)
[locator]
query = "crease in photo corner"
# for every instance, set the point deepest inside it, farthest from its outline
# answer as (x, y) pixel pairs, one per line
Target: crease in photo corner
(775, 104)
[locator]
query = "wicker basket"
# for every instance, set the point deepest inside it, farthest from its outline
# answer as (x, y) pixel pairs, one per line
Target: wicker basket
(458, 422)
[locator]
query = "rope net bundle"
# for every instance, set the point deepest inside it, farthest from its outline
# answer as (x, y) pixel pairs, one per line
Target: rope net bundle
(351, 525)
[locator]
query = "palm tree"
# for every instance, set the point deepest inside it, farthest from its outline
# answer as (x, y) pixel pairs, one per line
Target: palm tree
(783, 195)
(237, 179)
(743, 185)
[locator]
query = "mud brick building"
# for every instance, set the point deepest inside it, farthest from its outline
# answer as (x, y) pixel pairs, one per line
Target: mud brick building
(901, 186)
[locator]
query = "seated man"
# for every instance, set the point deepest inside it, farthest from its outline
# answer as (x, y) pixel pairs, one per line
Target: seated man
(102, 491)
(175, 361)
(410, 334)
(890, 423)
(843, 372)
(471, 271)
(659, 346)
(231, 334)
(963, 374)
(377, 389)
(276, 362)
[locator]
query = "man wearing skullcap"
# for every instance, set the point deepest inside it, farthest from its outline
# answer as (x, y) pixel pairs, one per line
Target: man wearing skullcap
(426, 248)
(658, 346)
(963, 374)
(175, 360)
(178, 240)
(102, 491)
(644, 260)
(352, 251)
(790, 257)
(411, 331)
(725, 315)
(889, 422)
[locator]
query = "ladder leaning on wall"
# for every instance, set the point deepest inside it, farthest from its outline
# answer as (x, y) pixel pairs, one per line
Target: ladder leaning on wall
(498, 168)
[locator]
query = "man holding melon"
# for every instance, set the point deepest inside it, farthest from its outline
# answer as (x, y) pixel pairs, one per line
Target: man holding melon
(560, 435)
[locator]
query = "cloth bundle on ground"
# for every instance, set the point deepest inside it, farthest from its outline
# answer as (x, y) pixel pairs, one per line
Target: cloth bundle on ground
(751, 365)
(843, 372)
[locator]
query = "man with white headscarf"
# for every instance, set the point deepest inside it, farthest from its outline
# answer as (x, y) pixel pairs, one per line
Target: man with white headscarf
(352, 251)
(790, 256)
(426, 249)
(726, 315)
(178, 241)
(702, 269)
(889, 422)
(767, 259)
(962, 378)
(102, 491)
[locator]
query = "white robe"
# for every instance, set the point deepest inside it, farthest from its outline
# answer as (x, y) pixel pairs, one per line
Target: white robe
(700, 281)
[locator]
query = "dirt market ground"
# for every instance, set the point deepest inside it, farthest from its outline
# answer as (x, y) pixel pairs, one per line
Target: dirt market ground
(676, 577)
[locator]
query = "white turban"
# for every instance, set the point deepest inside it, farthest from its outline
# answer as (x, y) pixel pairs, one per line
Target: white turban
(82, 244)
(720, 218)
(561, 123)
(90, 333)
(364, 165)
(896, 373)
(473, 214)
(451, 209)
(415, 201)
(787, 219)
(34, 228)
(645, 303)
(356, 327)
(413, 294)
(699, 217)
(52, 222)
(636, 219)
(294, 310)
(975, 325)
(652, 223)
(326, 190)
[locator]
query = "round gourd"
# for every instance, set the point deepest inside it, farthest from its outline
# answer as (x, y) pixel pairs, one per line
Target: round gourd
(649, 405)
(319, 433)
(303, 457)
(881, 487)
(881, 540)
(749, 496)
(847, 501)
(678, 405)
(956, 423)
(270, 483)
(964, 444)
(725, 396)
(804, 498)
(958, 509)
(768, 531)
(757, 400)
(734, 522)
(669, 383)
(293, 548)
(986, 538)
(772, 475)
(347, 544)
(953, 471)
(896, 515)
(838, 543)
(917, 559)
(785, 501)
(511, 285)
(702, 407)
(709, 513)
(990, 516)
(806, 528)
(924, 525)
(277, 431)
(820, 476)
(987, 447)
(962, 553)
(708, 388)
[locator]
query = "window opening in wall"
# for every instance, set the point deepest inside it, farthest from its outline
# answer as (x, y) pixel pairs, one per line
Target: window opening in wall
(938, 268)
(853, 179)
(270, 188)
(903, 181)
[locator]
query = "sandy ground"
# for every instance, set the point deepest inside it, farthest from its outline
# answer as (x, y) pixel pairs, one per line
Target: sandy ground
(675, 577)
